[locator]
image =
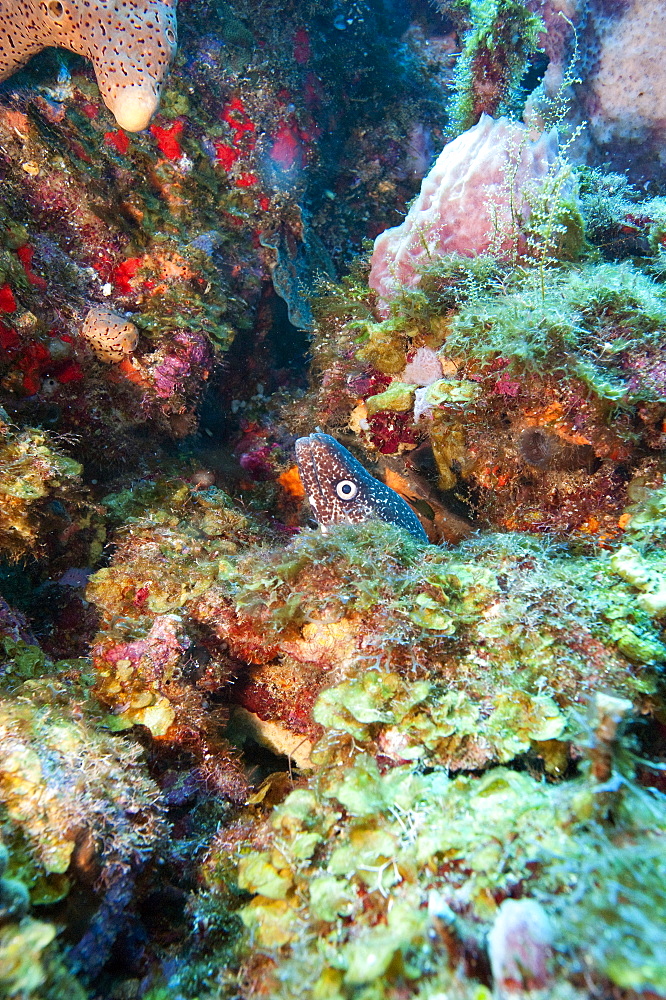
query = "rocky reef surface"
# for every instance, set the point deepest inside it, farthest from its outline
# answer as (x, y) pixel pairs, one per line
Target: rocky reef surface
(242, 756)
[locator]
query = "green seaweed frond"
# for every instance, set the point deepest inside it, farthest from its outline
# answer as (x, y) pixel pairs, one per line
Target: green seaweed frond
(555, 228)
(620, 887)
(501, 38)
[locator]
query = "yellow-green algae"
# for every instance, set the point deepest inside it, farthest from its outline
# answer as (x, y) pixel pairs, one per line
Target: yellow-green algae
(461, 655)
(552, 392)
(498, 39)
(29, 962)
(364, 877)
(63, 778)
(165, 560)
(482, 309)
(33, 472)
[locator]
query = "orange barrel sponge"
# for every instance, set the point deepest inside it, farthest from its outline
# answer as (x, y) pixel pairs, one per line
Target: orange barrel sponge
(130, 44)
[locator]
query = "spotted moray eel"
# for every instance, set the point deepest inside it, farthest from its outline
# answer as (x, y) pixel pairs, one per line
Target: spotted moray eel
(341, 491)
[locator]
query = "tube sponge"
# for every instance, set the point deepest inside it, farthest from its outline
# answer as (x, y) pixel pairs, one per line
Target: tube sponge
(131, 45)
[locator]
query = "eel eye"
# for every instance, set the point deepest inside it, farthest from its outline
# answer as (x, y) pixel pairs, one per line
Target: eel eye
(346, 490)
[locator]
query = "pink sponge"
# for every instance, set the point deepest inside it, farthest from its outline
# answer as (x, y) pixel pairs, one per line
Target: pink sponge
(475, 199)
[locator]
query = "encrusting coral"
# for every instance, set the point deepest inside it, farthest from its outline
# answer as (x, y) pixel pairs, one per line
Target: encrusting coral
(131, 46)
(194, 225)
(64, 782)
(158, 666)
(79, 814)
(418, 654)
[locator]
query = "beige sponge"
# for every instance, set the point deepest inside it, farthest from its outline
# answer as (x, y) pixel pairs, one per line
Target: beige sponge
(111, 336)
(131, 44)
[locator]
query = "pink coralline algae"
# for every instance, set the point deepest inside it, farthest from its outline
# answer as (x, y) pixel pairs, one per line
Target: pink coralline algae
(168, 374)
(187, 356)
(475, 199)
(520, 946)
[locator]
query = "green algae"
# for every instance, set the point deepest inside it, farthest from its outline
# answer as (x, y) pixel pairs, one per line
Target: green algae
(407, 841)
(501, 37)
(617, 914)
(560, 328)
(458, 657)
(551, 386)
(570, 350)
(33, 472)
(440, 660)
(60, 778)
(29, 962)
(515, 647)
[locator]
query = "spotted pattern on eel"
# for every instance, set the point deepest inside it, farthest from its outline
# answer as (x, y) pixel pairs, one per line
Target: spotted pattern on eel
(131, 44)
(341, 491)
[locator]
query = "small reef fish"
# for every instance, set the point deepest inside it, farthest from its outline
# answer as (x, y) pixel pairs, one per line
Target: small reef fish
(341, 491)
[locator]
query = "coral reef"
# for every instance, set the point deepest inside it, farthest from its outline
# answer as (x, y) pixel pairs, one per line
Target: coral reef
(78, 813)
(158, 668)
(243, 754)
(71, 795)
(201, 229)
(531, 424)
(29, 964)
(391, 663)
(378, 880)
